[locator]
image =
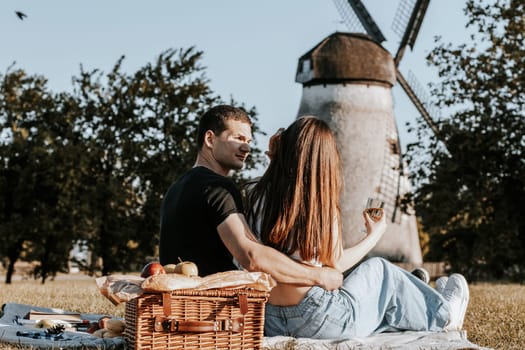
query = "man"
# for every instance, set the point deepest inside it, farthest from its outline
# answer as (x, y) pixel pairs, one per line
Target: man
(202, 216)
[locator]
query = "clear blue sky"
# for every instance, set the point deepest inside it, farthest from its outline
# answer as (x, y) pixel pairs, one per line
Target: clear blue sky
(250, 47)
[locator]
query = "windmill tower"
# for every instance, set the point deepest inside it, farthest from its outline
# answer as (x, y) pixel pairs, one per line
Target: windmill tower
(347, 80)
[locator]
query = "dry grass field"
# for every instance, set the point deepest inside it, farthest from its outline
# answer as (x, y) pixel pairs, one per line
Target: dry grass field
(495, 317)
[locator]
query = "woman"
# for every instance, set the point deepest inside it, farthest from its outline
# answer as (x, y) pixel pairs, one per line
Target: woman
(295, 209)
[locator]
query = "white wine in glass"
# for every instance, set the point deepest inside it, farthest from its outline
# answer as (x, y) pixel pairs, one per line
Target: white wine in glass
(374, 208)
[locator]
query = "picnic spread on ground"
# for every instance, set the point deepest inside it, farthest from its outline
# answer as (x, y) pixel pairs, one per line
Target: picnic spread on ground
(174, 311)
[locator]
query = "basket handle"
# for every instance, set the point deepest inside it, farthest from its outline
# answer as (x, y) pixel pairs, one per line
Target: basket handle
(163, 323)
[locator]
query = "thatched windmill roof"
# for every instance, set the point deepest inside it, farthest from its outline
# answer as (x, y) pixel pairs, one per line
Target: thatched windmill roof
(346, 57)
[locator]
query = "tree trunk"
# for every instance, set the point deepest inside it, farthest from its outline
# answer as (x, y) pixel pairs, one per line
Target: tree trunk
(13, 254)
(10, 271)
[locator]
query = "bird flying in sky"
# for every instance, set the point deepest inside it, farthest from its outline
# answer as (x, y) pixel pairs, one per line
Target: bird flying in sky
(21, 15)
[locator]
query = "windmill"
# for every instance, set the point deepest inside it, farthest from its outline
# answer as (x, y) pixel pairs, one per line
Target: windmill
(347, 80)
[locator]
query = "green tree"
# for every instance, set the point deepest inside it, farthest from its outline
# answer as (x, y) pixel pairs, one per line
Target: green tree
(58, 181)
(34, 175)
(470, 192)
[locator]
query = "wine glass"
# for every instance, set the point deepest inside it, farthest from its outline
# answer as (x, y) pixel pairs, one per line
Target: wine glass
(374, 208)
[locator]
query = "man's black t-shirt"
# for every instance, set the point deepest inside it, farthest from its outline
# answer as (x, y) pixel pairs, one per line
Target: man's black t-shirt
(191, 210)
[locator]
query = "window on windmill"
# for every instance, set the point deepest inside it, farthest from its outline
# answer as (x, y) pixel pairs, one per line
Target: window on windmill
(306, 66)
(394, 147)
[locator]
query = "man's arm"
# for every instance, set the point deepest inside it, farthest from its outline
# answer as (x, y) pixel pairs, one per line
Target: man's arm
(254, 256)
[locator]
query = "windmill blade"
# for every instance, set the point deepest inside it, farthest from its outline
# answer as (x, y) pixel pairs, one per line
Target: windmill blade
(364, 17)
(412, 90)
(412, 24)
(349, 17)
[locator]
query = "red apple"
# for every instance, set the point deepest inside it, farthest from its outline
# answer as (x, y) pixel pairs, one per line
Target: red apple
(152, 268)
(93, 326)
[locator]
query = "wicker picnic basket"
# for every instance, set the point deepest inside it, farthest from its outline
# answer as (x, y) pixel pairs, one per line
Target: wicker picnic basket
(196, 319)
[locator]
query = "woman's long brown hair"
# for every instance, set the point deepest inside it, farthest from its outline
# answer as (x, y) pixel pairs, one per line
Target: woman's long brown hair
(297, 199)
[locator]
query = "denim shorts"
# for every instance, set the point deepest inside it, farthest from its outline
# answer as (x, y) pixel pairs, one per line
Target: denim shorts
(321, 314)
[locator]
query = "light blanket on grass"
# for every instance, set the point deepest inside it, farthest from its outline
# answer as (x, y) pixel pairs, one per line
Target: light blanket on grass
(456, 340)
(385, 341)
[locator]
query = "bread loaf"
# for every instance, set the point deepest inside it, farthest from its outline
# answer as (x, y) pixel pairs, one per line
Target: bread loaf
(170, 281)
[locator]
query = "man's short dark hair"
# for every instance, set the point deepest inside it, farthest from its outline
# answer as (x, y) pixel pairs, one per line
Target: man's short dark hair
(215, 120)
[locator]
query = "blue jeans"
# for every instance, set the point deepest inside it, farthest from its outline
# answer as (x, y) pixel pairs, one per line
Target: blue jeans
(376, 297)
